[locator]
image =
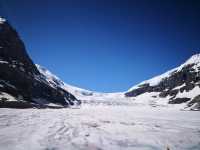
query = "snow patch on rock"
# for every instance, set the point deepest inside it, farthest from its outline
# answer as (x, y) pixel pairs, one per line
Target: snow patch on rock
(2, 20)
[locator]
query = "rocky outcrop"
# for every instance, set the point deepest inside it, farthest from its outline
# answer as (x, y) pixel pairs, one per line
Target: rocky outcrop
(20, 77)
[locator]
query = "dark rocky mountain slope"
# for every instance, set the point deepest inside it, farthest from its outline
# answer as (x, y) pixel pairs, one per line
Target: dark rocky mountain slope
(21, 84)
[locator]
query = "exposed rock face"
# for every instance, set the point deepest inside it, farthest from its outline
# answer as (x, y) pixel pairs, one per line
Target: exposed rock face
(18, 74)
(177, 81)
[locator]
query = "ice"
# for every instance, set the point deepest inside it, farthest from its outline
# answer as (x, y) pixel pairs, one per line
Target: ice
(99, 127)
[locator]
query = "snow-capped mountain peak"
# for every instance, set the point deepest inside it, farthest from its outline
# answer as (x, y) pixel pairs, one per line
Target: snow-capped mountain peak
(195, 59)
(55, 81)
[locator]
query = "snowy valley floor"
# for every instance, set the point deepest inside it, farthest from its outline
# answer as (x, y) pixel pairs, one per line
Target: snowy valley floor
(100, 127)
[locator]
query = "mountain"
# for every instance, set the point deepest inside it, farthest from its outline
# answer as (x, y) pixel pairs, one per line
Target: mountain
(86, 96)
(180, 85)
(21, 83)
(24, 84)
(179, 88)
(54, 82)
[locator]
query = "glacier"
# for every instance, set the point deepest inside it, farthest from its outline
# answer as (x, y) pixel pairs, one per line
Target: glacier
(99, 127)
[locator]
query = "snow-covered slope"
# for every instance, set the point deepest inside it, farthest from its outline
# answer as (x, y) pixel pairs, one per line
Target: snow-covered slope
(180, 85)
(195, 59)
(99, 128)
(54, 81)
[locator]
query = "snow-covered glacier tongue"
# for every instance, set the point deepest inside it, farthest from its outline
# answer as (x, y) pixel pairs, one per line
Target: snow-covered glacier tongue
(99, 127)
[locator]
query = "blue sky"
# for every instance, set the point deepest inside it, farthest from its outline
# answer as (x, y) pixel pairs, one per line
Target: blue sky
(106, 45)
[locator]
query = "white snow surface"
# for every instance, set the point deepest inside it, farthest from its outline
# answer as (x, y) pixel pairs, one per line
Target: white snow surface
(190, 94)
(99, 127)
(195, 59)
(45, 102)
(2, 20)
(7, 96)
(3, 62)
(179, 87)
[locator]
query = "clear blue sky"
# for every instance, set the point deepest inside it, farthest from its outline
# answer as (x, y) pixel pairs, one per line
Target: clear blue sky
(106, 45)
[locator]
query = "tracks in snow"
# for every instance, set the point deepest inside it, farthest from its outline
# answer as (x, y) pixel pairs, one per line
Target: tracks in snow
(99, 127)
